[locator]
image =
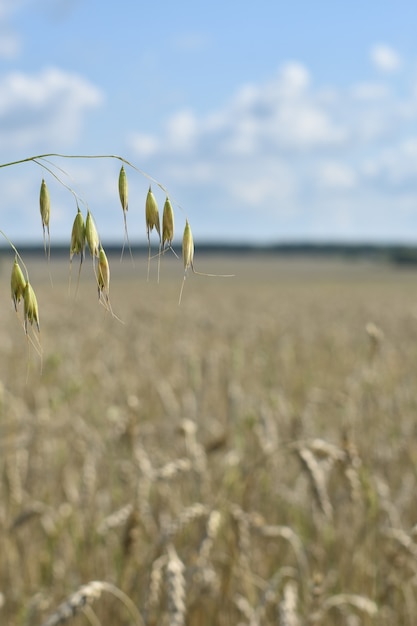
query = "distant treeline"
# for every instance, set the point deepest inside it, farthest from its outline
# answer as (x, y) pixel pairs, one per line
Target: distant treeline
(398, 254)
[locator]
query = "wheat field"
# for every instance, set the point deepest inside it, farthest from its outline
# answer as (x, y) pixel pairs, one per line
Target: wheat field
(248, 458)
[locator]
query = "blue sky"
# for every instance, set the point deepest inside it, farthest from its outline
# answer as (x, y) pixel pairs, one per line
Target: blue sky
(266, 121)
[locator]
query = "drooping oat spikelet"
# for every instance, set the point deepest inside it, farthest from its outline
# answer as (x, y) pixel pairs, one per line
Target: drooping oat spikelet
(77, 244)
(17, 283)
(167, 224)
(45, 208)
(152, 221)
(91, 235)
(103, 276)
(103, 281)
(124, 200)
(31, 311)
(78, 233)
(152, 214)
(123, 189)
(187, 254)
(188, 258)
(187, 247)
(176, 588)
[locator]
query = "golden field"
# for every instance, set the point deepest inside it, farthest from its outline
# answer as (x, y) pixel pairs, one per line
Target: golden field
(247, 458)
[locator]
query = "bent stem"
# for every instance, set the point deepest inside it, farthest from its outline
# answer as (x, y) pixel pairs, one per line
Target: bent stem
(191, 265)
(116, 157)
(182, 288)
(126, 240)
(78, 277)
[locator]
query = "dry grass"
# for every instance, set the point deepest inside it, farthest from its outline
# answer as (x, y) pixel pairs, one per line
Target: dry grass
(246, 458)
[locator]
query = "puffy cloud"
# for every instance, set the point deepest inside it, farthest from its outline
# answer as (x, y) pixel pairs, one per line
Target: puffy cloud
(395, 166)
(144, 145)
(336, 175)
(370, 91)
(182, 130)
(385, 58)
(317, 159)
(283, 114)
(44, 108)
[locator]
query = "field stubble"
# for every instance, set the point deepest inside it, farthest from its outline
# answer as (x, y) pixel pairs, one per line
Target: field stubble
(246, 458)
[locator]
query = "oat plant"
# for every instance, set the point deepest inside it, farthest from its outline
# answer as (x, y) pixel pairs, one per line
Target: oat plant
(85, 232)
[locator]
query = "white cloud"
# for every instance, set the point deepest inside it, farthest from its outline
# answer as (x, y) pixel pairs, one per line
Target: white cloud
(294, 79)
(336, 175)
(395, 166)
(283, 114)
(268, 186)
(287, 147)
(385, 58)
(182, 130)
(370, 91)
(144, 145)
(47, 107)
